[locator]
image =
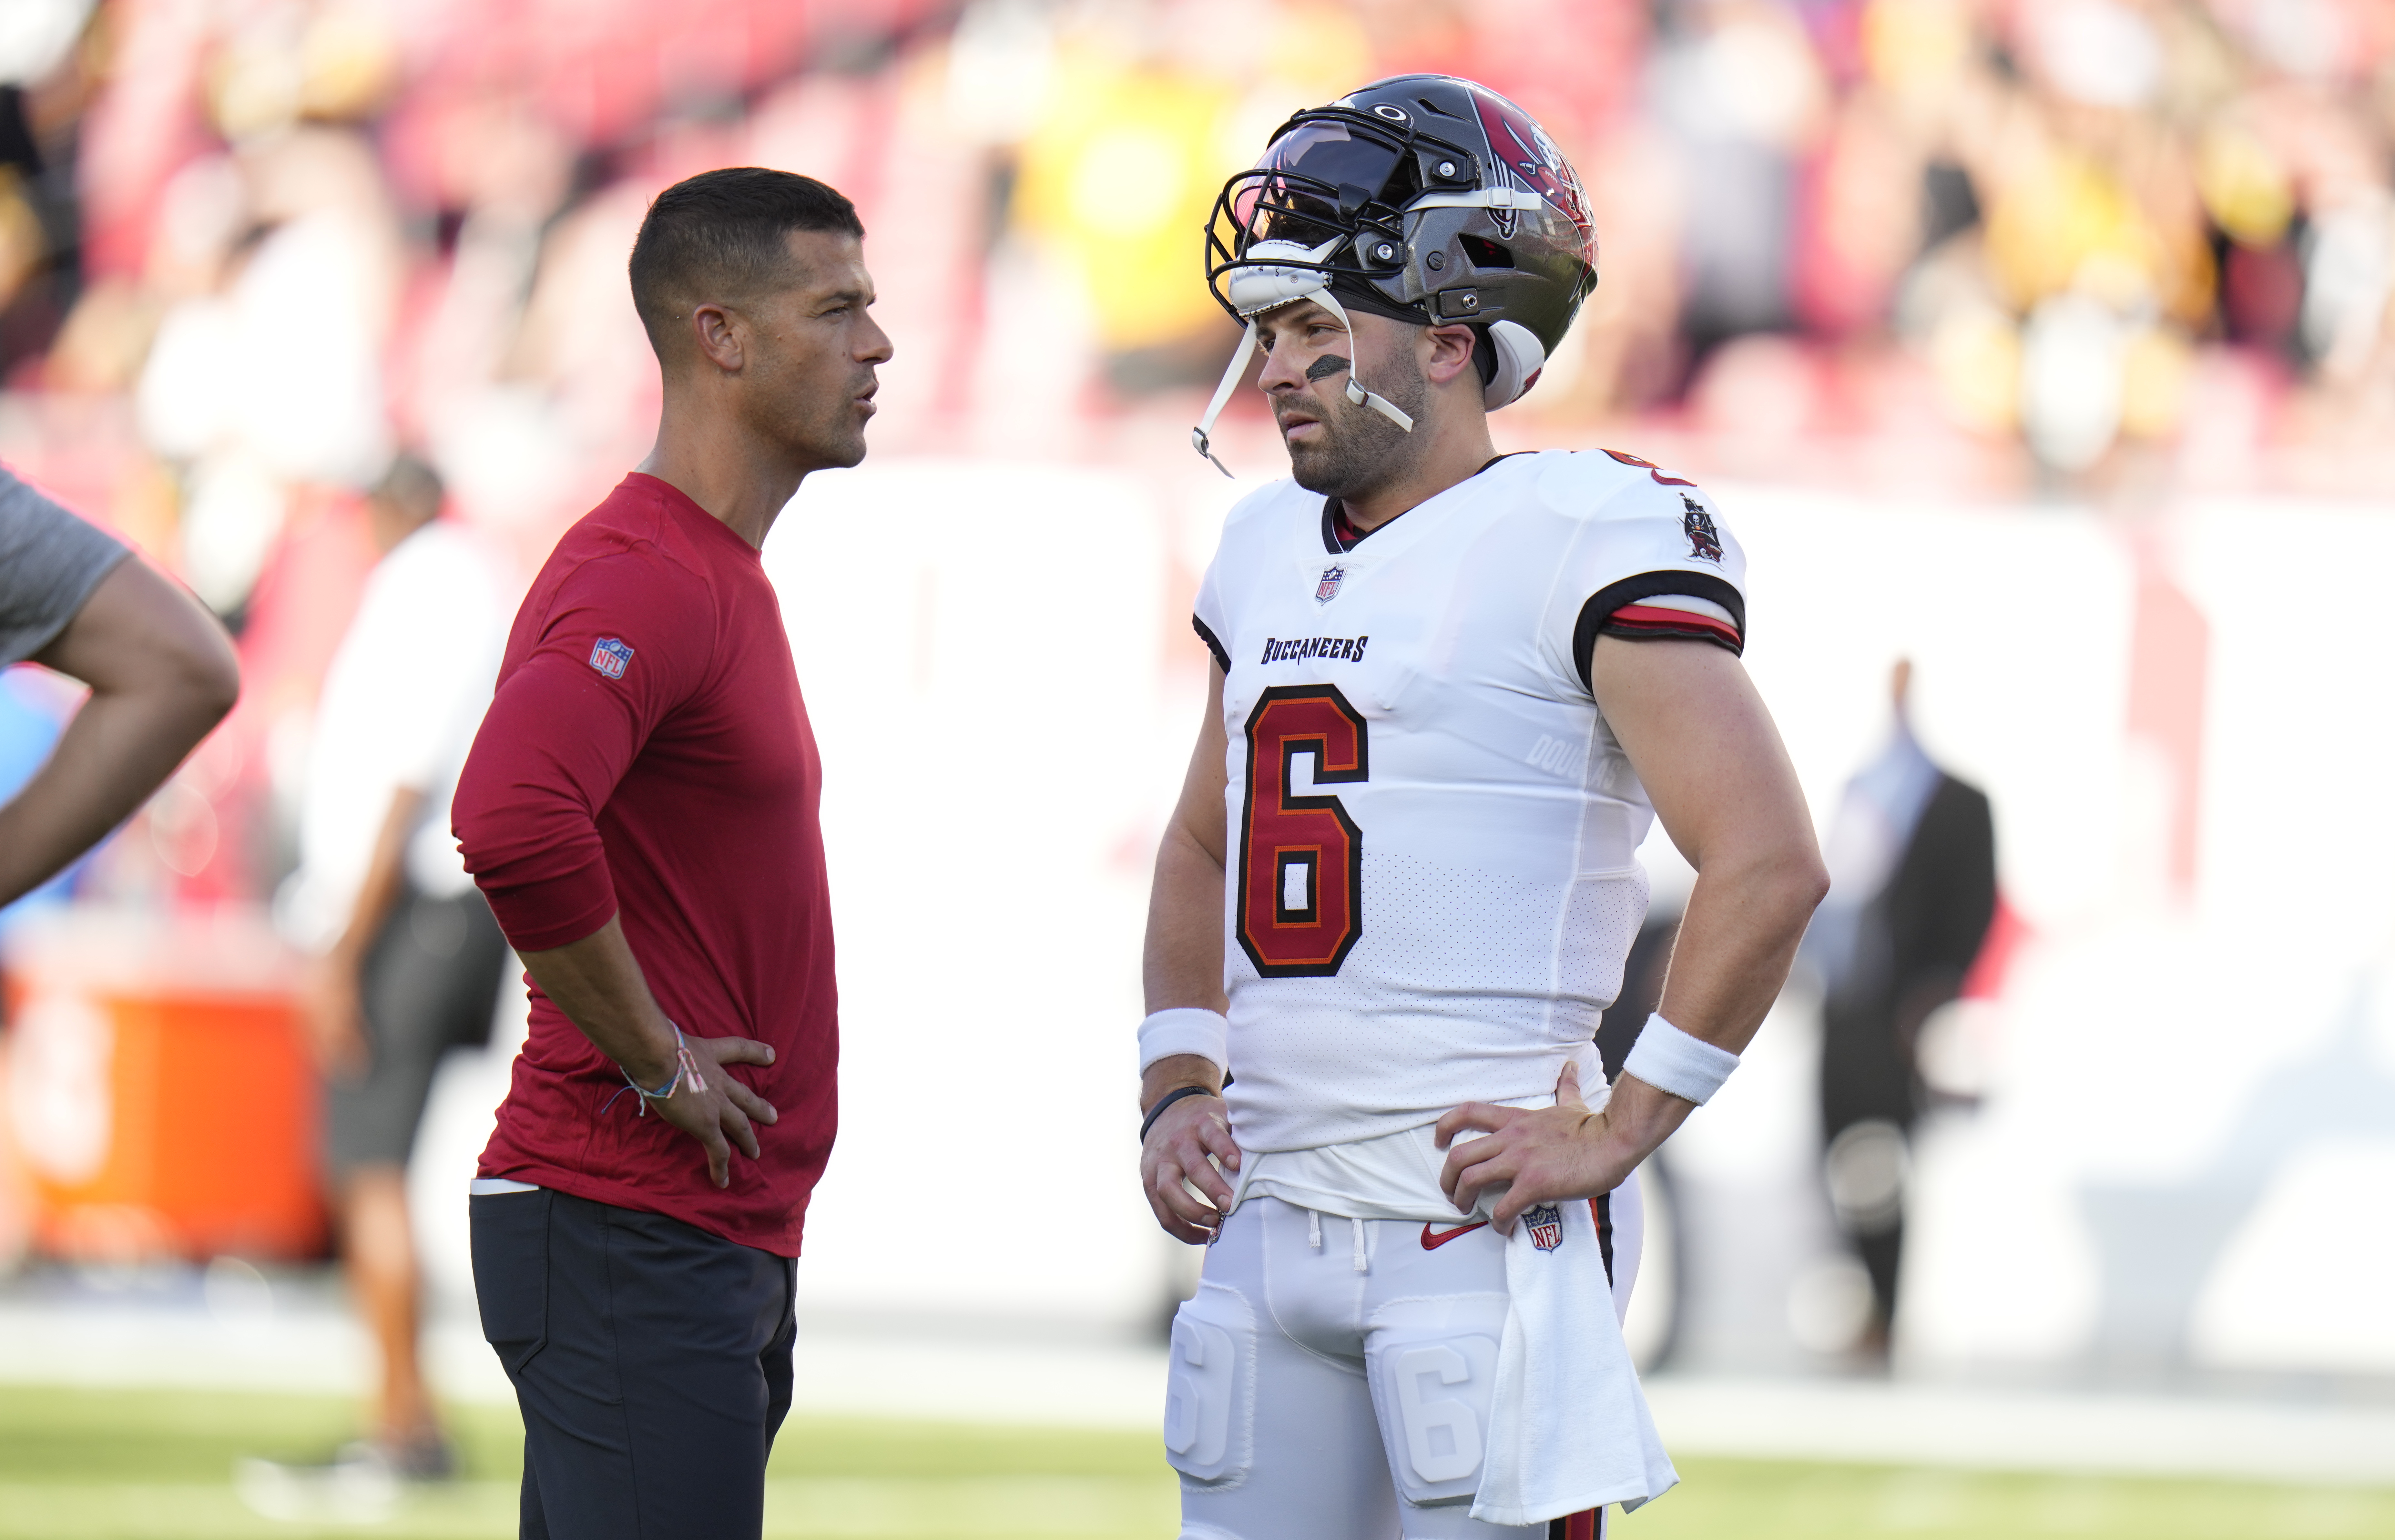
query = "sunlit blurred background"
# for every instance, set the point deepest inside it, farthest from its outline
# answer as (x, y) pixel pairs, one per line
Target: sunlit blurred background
(2044, 343)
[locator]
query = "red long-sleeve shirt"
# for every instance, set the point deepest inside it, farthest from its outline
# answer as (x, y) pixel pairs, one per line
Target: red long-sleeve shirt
(648, 755)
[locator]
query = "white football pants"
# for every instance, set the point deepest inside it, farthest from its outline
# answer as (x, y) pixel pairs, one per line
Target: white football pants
(1331, 1379)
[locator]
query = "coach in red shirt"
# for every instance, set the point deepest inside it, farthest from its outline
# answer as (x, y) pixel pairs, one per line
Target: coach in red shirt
(641, 810)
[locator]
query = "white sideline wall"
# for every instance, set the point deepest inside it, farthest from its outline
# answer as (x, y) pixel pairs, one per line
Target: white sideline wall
(983, 646)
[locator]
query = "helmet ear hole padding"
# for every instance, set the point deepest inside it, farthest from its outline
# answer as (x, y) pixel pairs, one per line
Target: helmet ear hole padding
(1518, 357)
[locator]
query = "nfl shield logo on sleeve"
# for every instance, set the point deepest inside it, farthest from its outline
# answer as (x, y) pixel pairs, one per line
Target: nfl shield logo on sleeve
(1546, 1223)
(610, 656)
(1328, 589)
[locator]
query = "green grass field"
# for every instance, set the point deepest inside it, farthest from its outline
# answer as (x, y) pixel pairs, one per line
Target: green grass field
(87, 1464)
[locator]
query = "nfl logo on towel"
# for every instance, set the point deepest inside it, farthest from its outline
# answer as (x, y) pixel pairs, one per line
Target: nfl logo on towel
(1328, 589)
(1546, 1225)
(610, 656)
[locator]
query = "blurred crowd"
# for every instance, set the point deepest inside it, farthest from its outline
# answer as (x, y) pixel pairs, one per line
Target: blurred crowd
(250, 249)
(2074, 226)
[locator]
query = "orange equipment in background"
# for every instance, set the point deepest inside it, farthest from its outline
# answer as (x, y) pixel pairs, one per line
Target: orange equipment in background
(157, 1098)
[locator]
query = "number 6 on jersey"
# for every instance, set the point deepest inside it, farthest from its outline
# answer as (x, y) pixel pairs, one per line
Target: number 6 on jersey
(1300, 858)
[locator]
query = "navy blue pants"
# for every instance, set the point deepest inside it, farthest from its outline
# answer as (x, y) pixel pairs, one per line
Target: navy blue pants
(652, 1361)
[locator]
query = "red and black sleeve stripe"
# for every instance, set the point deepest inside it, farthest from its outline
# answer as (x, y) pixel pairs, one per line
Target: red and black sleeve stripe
(1605, 612)
(1640, 621)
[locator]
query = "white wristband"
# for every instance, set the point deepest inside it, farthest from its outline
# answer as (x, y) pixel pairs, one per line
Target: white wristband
(1669, 1059)
(1184, 1029)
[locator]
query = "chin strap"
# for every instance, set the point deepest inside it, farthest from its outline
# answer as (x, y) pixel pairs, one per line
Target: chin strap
(1357, 393)
(1202, 436)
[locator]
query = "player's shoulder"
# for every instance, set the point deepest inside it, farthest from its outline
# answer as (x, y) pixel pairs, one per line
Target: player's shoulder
(1260, 527)
(1635, 511)
(1606, 484)
(1272, 505)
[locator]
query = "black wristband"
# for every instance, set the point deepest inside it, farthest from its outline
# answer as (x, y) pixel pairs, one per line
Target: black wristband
(1166, 1100)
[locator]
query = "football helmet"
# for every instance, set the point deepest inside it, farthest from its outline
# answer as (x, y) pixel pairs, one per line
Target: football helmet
(1426, 198)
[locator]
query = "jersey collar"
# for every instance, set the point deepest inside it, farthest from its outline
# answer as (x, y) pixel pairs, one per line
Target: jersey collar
(1339, 535)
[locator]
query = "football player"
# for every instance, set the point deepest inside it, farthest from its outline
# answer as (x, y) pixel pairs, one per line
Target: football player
(1452, 690)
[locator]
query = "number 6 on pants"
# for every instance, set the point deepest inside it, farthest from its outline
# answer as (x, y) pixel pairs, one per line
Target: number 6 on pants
(1432, 1374)
(1209, 1395)
(1442, 1434)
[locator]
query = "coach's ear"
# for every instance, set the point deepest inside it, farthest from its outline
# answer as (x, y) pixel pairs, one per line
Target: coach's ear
(719, 335)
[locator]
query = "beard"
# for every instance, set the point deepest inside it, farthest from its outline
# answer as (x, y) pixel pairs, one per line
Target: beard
(1359, 451)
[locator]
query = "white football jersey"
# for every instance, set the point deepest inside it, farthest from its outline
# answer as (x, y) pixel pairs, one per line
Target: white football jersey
(1432, 880)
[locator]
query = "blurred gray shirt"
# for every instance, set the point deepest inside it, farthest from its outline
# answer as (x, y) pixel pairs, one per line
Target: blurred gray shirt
(49, 563)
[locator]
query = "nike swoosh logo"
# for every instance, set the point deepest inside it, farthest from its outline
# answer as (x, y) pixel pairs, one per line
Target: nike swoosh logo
(1432, 1243)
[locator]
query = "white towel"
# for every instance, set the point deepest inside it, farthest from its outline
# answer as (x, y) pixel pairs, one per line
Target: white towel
(1568, 1428)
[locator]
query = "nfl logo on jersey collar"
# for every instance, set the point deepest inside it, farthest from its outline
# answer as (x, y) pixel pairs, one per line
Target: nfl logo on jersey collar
(1328, 589)
(1546, 1223)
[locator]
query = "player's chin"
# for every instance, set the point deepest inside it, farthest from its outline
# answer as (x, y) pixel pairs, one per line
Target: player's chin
(1312, 464)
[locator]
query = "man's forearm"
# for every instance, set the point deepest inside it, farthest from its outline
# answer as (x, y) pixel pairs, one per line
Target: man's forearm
(386, 878)
(1181, 967)
(1170, 1074)
(1181, 963)
(1735, 946)
(1736, 941)
(162, 674)
(598, 984)
(113, 755)
(1704, 746)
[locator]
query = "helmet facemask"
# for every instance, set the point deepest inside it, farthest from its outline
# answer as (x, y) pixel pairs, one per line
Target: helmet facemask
(1314, 210)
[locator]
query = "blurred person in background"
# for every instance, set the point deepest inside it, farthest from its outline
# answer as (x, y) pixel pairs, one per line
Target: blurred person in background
(408, 960)
(1739, 88)
(1913, 891)
(40, 222)
(641, 808)
(260, 413)
(161, 671)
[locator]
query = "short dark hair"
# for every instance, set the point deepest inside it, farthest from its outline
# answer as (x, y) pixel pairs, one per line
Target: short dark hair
(721, 233)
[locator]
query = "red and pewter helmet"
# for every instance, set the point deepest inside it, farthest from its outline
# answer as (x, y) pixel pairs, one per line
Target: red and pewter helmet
(1426, 198)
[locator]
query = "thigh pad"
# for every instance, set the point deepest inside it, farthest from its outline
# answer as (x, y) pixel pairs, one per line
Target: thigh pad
(1210, 1398)
(1433, 1367)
